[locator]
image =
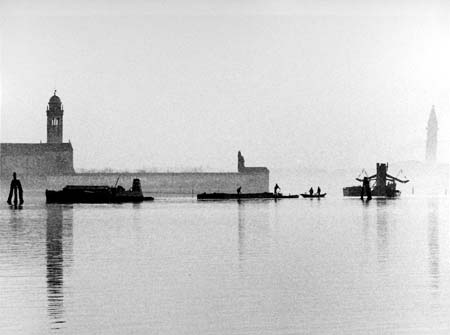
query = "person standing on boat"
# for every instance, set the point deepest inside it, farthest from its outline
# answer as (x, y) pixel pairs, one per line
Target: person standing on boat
(318, 190)
(15, 186)
(366, 189)
(238, 190)
(276, 189)
(311, 191)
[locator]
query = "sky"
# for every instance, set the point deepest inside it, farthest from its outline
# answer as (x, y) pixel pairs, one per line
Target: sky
(165, 84)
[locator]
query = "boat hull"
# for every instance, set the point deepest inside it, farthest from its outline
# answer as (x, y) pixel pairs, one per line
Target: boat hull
(306, 195)
(235, 196)
(389, 191)
(352, 191)
(94, 194)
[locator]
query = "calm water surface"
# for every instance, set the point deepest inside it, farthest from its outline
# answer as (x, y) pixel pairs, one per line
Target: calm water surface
(178, 266)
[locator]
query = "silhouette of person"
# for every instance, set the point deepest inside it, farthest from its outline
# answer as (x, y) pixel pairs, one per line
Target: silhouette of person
(276, 189)
(318, 190)
(366, 189)
(15, 186)
(311, 191)
(238, 190)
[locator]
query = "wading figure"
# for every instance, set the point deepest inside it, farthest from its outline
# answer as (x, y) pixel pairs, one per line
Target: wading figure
(15, 186)
(366, 189)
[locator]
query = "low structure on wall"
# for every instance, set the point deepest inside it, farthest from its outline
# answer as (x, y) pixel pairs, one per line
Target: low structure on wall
(253, 170)
(50, 166)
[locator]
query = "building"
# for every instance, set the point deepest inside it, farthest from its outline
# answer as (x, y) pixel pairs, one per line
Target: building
(432, 129)
(50, 165)
(243, 169)
(40, 159)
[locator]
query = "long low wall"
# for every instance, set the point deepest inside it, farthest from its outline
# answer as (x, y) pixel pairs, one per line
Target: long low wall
(155, 183)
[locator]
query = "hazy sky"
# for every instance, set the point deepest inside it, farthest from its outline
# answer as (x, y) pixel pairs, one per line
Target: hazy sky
(188, 83)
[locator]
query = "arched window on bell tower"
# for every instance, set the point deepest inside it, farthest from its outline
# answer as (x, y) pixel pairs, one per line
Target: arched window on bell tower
(55, 120)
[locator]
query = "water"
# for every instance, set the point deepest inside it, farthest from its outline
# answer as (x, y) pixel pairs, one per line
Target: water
(178, 266)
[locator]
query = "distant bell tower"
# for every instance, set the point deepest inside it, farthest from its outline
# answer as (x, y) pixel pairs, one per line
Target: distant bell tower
(430, 155)
(241, 162)
(55, 120)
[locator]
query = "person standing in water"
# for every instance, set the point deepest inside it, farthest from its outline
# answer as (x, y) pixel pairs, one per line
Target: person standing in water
(16, 186)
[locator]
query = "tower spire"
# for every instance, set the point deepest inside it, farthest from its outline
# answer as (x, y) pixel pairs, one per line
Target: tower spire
(432, 129)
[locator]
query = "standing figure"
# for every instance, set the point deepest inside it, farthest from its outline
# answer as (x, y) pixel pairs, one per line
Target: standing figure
(276, 189)
(366, 189)
(311, 191)
(318, 190)
(15, 186)
(238, 190)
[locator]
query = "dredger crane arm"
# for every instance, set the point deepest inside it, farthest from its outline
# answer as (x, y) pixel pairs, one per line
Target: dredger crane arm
(396, 179)
(370, 178)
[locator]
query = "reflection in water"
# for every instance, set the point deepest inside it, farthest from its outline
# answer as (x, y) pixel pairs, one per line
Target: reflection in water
(241, 229)
(59, 228)
(274, 270)
(382, 231)
(365, 230)
(253, 231)
(433, 245)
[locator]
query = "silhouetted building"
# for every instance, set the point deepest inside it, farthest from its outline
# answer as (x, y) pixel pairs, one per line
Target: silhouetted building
(432, 128)
(51, 158)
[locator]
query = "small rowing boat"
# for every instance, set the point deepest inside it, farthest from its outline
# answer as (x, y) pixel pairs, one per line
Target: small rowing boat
(307, 195)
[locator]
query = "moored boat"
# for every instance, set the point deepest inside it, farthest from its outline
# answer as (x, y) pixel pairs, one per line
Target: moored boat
(239, 196)
(97, 194)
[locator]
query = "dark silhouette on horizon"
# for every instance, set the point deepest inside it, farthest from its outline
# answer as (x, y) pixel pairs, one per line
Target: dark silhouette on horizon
(16, 187)
(432, 130)
(366, 189)
(276, 189)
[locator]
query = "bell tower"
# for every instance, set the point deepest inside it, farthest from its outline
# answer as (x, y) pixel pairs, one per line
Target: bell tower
(432, 129)
(55, 113)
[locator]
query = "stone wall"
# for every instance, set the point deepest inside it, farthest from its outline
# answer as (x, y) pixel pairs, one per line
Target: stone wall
(37, 159)
(50, 166)
(155, 183)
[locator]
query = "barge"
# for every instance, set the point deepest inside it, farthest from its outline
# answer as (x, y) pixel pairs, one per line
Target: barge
(239, 196)
(384, 184)
(97, 194)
